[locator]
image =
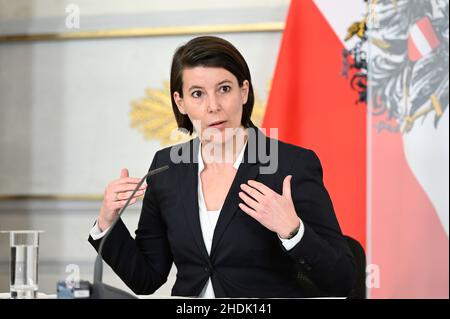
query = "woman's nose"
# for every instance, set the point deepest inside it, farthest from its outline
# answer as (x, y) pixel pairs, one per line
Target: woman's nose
(213, 104)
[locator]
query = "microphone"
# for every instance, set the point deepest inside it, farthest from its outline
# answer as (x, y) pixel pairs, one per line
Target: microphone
(99, 289)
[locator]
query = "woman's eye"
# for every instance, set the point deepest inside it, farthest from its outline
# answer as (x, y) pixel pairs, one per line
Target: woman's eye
(225, 89)
(196, 94)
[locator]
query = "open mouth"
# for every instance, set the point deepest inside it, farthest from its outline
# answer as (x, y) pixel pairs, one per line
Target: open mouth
(217, 124)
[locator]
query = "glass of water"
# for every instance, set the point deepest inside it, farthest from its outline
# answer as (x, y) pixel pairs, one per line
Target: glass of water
(24, 245)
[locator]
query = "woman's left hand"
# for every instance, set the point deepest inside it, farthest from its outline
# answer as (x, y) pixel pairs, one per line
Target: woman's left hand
(274, 211)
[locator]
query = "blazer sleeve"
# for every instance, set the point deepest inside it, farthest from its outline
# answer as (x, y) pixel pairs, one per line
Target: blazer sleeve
(142, 263)
(323, 253)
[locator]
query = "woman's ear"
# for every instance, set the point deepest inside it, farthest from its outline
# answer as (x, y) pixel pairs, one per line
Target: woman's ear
(244, 91)
(179, 102)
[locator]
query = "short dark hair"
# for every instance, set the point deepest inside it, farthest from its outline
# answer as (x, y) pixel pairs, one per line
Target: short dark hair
(209, 51)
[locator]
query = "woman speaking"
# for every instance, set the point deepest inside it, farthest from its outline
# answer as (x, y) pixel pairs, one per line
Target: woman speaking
(239, 213)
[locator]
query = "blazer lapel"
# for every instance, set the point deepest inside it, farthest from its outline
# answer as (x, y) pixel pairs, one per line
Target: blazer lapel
(248, 169)
(188, 190)
(230, 207)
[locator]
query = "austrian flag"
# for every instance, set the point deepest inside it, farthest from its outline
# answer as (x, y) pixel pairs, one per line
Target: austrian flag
(422, 39)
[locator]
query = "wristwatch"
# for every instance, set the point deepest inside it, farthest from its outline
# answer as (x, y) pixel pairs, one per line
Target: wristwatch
(294, 232)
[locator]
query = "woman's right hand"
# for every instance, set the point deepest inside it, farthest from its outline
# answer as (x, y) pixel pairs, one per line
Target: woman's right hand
(116, 195)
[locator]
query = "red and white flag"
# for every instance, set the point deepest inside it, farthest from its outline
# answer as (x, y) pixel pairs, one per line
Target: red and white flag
(392, 165)
(313, 106)
(422, 39)
(409, 150)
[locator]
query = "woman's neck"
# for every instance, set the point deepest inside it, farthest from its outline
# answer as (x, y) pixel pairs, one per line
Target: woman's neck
(224, 154)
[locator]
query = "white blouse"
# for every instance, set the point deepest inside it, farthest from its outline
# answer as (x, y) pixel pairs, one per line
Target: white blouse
(208, 218)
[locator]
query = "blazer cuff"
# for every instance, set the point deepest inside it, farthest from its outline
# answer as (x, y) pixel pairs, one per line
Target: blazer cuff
(118, 234)
(96, 233)
(288, 244)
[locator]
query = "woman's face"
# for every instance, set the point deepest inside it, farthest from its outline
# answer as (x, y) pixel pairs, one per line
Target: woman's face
(213, 101)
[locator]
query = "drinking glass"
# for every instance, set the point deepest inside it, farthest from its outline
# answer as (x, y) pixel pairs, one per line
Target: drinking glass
(24, 247)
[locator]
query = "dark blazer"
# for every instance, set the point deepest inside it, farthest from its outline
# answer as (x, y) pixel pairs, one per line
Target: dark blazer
(247, 259)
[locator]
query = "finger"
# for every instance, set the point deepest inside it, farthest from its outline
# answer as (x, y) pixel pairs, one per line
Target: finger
(126, 180)
(287, 186)
(260, 187)
(252, 192)
(249, 211)
(126, 195)
(121, 204)
(125, 188)
(249, 201)
(124, 173)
